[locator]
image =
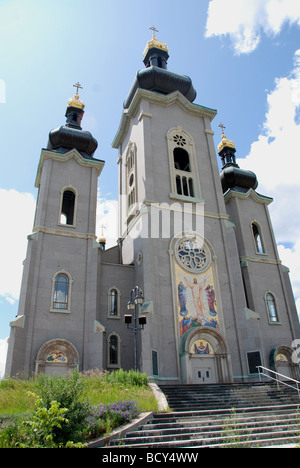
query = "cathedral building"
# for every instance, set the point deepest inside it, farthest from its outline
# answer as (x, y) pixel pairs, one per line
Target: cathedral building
(194, 290)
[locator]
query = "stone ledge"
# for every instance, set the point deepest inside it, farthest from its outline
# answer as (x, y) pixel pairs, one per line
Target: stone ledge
(120, 431)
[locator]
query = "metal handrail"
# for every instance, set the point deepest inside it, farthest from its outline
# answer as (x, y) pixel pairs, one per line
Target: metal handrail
(277, 380)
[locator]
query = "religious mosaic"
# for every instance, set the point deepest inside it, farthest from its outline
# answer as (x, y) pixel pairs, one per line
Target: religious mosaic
(196, 300)
(57, 356)
(281, 359)
(197, 304)
(202, 347)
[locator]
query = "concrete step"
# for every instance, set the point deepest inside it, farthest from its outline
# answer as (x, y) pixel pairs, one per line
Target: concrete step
(262, 439)
(216, 426)
(183, 397)
(220, 416)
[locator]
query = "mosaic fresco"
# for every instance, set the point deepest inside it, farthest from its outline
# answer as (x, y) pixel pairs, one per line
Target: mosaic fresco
(201, 347)
(57, 356)
(196, 300)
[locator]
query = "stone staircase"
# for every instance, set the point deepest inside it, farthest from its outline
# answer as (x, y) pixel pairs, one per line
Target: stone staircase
(215, 416)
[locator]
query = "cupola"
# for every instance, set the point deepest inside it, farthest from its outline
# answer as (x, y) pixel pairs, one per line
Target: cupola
(156, 77)
(71, 136)
(232, 176)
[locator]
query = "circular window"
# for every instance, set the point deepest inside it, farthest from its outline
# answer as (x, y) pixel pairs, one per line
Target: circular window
(179, 140)
(193, 254)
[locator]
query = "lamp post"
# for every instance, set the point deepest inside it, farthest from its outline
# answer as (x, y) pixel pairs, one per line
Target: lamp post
(136, 299)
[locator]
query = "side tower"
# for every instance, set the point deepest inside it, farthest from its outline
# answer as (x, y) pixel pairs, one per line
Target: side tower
(54, 329)
(175, 229)
(266, 281)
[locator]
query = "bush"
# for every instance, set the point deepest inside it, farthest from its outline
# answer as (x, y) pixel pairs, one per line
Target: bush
(68, 392)
(59, 412)
(130, 377)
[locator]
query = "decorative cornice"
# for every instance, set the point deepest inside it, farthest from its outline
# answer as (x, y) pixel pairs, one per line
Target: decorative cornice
(64, 157)
(61, 232)
(161, 100)
(231, 193)
(248, 258)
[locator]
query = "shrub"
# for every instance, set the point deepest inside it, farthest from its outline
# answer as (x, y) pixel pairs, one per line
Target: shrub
(68, 392)
(130, 377)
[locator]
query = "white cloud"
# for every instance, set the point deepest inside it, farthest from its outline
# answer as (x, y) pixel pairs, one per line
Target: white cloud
(3, 352)
(245, 20)
(16, 214)
(107, 220)
(275, 159)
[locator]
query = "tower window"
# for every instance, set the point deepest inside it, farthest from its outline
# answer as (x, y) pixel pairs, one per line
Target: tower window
(131, 179)
(113, 303)
(61, 292)
(68, 208)
(182, 160)
(184, 183)
(271, 308)
(113, 351)
(259, 245)
(183, 165)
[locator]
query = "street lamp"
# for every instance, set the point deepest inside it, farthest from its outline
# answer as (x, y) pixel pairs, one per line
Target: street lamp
(136, 299)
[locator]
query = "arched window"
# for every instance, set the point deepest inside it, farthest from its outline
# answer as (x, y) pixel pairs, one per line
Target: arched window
(113, 302)
(181, 160)
(131, 176)
(183, 165)
(61, 292)
(259, 245)
(271, 308)
(68, 207)
(113, 358)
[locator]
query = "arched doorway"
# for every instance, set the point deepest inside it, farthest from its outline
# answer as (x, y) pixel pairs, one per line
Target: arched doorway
(204, 357)
(57, 357)
(281, 362)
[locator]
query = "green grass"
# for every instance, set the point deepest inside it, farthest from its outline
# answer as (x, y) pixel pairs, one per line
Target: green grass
(100, 388)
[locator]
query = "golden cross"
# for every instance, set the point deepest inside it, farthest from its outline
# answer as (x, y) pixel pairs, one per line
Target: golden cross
(77, 85)
(222, 127)
(154, 30)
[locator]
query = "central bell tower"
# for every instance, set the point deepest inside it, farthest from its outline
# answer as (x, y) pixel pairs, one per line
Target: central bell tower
(172, 218)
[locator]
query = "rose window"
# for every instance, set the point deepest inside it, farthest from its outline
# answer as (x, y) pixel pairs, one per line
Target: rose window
(179, 140)
(193, 254)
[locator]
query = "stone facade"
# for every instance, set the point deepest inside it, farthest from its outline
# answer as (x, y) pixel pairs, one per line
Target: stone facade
(217, 300)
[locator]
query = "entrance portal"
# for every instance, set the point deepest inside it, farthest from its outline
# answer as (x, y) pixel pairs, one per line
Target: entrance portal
(204, 358)
(57, 357)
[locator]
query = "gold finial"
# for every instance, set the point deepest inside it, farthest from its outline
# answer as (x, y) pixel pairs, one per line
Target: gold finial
(155, 42)
(224, 141)
(75, 102)
(102, 238)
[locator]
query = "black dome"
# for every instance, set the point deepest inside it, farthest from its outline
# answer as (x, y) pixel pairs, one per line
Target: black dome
(235, 177)
(71, 136)
(161, 81)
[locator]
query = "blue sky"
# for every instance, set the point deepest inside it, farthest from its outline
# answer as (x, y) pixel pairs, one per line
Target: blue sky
(243, 57)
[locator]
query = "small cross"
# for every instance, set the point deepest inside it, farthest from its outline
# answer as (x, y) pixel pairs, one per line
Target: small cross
(154, 30)
(103, 227)
(77, 85)
(222, 127)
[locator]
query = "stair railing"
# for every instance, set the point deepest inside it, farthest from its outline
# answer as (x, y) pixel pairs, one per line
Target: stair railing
(262, 371)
